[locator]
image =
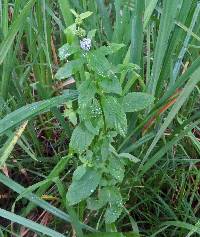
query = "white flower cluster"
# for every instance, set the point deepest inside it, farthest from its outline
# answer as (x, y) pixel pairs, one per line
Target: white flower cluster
(86, 44)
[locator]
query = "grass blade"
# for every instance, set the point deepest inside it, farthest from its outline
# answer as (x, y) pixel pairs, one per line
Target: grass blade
(148, 11)
(167, 23)
(39, 202)
(6, 44)
(10, 144)
(137, 33)
(29, 111)
(180, 101)
(28, 223)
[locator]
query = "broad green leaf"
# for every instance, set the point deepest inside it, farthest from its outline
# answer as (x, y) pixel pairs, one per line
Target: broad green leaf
(81, 138)
(29, 224)
(110, 85)
(71, 115)
(111, 48)
(114, 115)
(79, 172)
(110, 195)
(29, 111)
(94, 204)
(67, 50)
(136, 101)
(69, 69)
(81, 189)
(127, 67)
(113, 197)
(112, 213)
(95, 110)
(87, 91)
(91, 34)
(99, 63)
(91, 128)
(105, 148)
(74, 13)
(91, 112)
(87, 158)
(116, 168)
(85, 15)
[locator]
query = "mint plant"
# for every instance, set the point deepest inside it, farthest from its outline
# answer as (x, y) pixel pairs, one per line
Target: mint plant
(103, 104)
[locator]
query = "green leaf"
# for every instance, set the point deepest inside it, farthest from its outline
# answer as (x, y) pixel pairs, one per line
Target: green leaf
(116, 168)
(69, 69)
(111, 48)
(127, 67)
(167, 23)
(87, 91)
(81, 138)
(71, 116)
(36, 200)
(74, 13)
(16, 25)
(6, 150)
(79, 172)
(91, 112)
(110, 85)
(113, 234)
(95, 110)
(112, 213)
(129, 156)
(94, 204)
(28, 223)
(136, 101)
(29, 111)
(148, 11)
(85, 15)
(184, 95)
(81, 189)
(99, 63)
(113, 197)
(67, 50)
(110, 195)
(91, 128)
(114, 115)
(91, 34)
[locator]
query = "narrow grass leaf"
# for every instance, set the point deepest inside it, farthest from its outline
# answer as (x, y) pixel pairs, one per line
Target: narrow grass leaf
(19, 21)
(167, 23)
(10, 144)
(148, 11)
(190, 85)
(28, 223)
(39, 202)
(29, 111)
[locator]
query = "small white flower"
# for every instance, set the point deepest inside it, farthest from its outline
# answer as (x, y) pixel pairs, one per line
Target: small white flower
(86, 44)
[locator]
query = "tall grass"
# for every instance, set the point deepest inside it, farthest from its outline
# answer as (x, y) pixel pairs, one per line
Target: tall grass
(162, 191)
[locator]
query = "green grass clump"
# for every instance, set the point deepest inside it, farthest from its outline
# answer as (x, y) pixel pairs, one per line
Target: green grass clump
(99, 118)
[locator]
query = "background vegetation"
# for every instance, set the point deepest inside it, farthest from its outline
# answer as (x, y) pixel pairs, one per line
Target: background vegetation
(161, 192)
